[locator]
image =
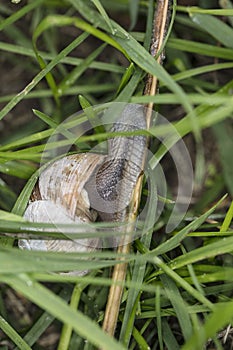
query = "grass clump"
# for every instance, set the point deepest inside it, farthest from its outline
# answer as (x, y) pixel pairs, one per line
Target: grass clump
(178, 290)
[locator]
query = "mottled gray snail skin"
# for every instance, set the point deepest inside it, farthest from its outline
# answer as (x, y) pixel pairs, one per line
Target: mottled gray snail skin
(80, 187)
(111, 186)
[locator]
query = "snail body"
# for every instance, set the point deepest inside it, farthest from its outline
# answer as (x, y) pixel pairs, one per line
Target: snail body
(79, 187)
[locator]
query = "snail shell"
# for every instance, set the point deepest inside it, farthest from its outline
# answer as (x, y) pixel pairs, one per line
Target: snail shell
(78, 187)
(60, 197)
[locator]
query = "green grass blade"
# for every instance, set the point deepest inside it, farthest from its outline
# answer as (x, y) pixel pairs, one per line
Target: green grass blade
(67, 328)
(158, 318)
(17, 168)
(13, 335)
(126, 77)
(44, 321)
(74, 61)
(222, 246)
(103, 13)
(196, 9)
(215, 27)
(17, 98)
(201, 70)
(185, 285)
(43, 26)
(48, 120)
(9, 216)
(48, 261)
(135, 51)
(168, 336)
(179, 305)
(20, 13)
(141, 342)
(57, 307)
(7, 195)
(138, 274)
(208, 99)
(227, 5)
(224, 135)
(200, 48)
(176, 281)
(173, 242)
(22, 200)
(220, 318)
(78, 71)
(128, 90)
(228, 219)
(37, 137)
(133, 10)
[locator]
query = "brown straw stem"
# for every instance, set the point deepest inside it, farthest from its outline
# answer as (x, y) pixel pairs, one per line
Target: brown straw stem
(119, 273)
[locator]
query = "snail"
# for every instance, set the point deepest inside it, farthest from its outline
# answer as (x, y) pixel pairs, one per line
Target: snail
(79, 188)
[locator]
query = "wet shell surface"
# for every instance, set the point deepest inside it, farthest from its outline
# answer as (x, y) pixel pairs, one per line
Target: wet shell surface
(60, 197)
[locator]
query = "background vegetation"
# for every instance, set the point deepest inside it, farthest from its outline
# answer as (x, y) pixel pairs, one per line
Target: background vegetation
(178, 291)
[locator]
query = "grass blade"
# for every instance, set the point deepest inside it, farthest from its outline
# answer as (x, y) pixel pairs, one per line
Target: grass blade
(178, 304)
(175, 241)
(216, 28)
(57, 307)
